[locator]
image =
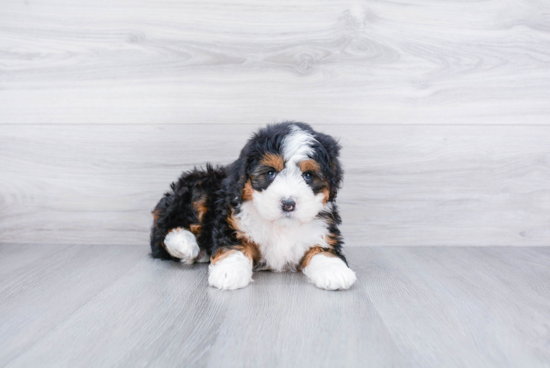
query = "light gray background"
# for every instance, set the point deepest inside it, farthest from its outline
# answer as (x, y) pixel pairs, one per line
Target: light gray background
(442, 108)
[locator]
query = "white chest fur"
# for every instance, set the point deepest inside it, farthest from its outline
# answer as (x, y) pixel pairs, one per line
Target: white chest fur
(281, 247)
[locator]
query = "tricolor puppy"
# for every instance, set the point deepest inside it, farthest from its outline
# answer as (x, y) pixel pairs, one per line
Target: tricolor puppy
(272, 209)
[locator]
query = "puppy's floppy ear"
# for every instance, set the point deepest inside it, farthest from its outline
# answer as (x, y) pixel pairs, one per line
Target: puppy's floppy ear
(238, 175)
(238, 179)
(331, 164)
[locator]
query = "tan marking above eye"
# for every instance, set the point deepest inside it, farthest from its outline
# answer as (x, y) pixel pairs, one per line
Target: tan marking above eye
(275, 161)
(309, 165)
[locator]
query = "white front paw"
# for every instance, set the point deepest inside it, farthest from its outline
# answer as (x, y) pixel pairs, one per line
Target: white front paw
(182, 244)
(232, 272)
(330, 273)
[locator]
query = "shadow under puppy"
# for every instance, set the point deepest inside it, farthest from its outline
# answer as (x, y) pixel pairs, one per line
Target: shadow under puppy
(272, 209)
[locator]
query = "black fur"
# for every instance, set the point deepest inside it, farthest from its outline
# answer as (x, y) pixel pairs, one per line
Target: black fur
(222, 188)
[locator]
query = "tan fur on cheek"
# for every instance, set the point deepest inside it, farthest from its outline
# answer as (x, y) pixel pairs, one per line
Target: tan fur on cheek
(275, 161)
(248, 191)
(326, 195)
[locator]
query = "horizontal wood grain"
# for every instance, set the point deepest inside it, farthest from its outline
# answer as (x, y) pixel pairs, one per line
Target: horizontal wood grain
(410, 307)
(185, 62)
(404, 185)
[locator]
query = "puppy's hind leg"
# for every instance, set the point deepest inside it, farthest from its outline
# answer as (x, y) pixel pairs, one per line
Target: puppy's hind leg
(182, 244)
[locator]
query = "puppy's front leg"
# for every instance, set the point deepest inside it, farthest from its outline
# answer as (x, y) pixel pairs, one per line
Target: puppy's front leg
(326, 270)
(230, 269)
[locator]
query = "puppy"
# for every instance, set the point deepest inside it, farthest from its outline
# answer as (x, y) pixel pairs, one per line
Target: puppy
(272, 209)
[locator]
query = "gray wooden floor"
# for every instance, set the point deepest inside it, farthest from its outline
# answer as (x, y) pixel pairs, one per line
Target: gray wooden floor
(73, 306)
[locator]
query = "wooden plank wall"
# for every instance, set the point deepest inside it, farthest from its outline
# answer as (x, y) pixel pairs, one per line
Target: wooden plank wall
(443, 109)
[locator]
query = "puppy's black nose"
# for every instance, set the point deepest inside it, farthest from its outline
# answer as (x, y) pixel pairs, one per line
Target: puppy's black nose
(288, 205)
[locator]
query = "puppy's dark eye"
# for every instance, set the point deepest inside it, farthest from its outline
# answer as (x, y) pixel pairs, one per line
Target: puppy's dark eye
(307, 177)
(271, 174)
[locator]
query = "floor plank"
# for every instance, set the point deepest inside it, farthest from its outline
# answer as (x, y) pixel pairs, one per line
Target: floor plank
(411, 306)
(35, 298)
(406, 185)
(14, 257)
(498, 311)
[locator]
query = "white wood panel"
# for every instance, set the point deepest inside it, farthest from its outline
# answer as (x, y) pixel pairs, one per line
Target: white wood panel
(404, 185)
(328, 62)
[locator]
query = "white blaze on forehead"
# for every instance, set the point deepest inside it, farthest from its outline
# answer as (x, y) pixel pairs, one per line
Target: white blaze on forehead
(297, 146)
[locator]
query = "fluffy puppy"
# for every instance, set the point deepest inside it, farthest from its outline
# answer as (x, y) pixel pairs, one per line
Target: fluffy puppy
(272, 209)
